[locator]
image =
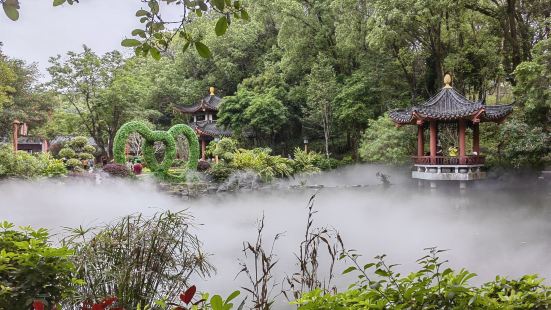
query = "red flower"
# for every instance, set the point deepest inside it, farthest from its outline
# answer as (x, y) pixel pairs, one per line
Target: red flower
(38, 305)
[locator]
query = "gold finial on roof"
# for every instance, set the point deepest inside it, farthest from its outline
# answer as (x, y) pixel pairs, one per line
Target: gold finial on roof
(447, 80)
(212, 91)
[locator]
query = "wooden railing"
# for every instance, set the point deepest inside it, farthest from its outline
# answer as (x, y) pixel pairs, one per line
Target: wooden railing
(449, 160)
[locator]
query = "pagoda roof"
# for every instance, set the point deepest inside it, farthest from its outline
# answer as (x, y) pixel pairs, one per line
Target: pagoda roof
(450, 105)
(210, 128)
(208, 103)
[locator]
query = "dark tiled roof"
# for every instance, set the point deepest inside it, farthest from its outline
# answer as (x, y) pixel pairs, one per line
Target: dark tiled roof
(29, 140)
(210, 103)
(449, 105)
(209, 128)
(64, 139)
(23, 140)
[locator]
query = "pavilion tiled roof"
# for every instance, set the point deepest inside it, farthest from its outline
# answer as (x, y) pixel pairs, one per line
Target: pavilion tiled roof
(210, 103)
(210, 128)
(449, 105)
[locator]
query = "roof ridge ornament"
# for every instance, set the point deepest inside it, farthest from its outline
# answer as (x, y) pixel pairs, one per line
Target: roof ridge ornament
(211, 90)
(447, 80)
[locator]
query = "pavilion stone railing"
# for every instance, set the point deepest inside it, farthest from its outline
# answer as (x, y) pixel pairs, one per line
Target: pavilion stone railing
(449, 160)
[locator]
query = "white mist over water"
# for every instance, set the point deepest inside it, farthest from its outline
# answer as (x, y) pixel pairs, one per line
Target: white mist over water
(494, 228)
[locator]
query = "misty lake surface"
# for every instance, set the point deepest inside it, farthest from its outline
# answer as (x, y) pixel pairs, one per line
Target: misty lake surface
(498, 226)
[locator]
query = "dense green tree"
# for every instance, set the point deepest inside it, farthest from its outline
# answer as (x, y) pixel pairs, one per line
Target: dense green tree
(322, 89)
(266, 115)
(533, 89)
(7, 77)
(27, 101)
(383, 142)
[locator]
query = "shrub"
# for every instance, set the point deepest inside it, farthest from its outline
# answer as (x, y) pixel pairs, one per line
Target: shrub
(304, 162)
(89, 149)
(67, 153)
(20, 164)
(117, 170)
(85, 156)
(224, 149)
(260, 161)
(31, 268)
(73, 163)
(433, 286)
(139, 260)
(78, 143)
(325, 163)
(221, 172)
(203, 165)
(54, 167)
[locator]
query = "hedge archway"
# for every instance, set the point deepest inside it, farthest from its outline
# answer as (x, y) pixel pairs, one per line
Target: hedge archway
(168, 138)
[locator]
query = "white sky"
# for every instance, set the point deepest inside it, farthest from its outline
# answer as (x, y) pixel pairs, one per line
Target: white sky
(43, 31)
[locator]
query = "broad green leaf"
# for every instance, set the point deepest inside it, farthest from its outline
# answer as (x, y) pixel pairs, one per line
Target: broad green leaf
(221, 26)
(141, 13)
(130, 42)
(154, 6)
(155, 53)
(216, 302)
(138, 32)
(232, 296)
(186, 46)
(219, 4)
(11, 11)
(203, 50)
(245, 15)
(202, 5)
(58, 2)
(349, 269)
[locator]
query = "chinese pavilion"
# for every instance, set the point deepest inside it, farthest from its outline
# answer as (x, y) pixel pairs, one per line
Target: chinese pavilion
(449, 108)
(203, 120)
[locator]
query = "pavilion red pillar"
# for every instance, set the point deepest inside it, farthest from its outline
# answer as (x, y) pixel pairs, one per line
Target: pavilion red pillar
(433, 129)
(203, 149)
(476, 138)
(462, 141)
(420, 142)
(16, 124)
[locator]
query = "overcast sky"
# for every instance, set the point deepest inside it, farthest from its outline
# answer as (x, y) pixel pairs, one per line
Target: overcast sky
(43, 31)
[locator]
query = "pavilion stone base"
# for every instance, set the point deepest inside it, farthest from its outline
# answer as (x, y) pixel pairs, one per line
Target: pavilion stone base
(448, 172)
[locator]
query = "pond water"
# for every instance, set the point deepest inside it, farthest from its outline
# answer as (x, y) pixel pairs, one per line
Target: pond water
(498, 226)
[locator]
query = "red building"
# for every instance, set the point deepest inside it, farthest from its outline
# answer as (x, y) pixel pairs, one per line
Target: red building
(449, 109)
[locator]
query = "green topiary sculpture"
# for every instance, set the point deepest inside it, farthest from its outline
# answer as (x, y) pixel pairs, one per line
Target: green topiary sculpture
(168, 138)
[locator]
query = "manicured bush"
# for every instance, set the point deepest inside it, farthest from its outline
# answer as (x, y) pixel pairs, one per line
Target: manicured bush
(117, 170)
(224, 148)
(31, 268)
(89, 149)
(85, 156)
(169, 140)
(78, 143)
(73, 163)
(67, 153)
